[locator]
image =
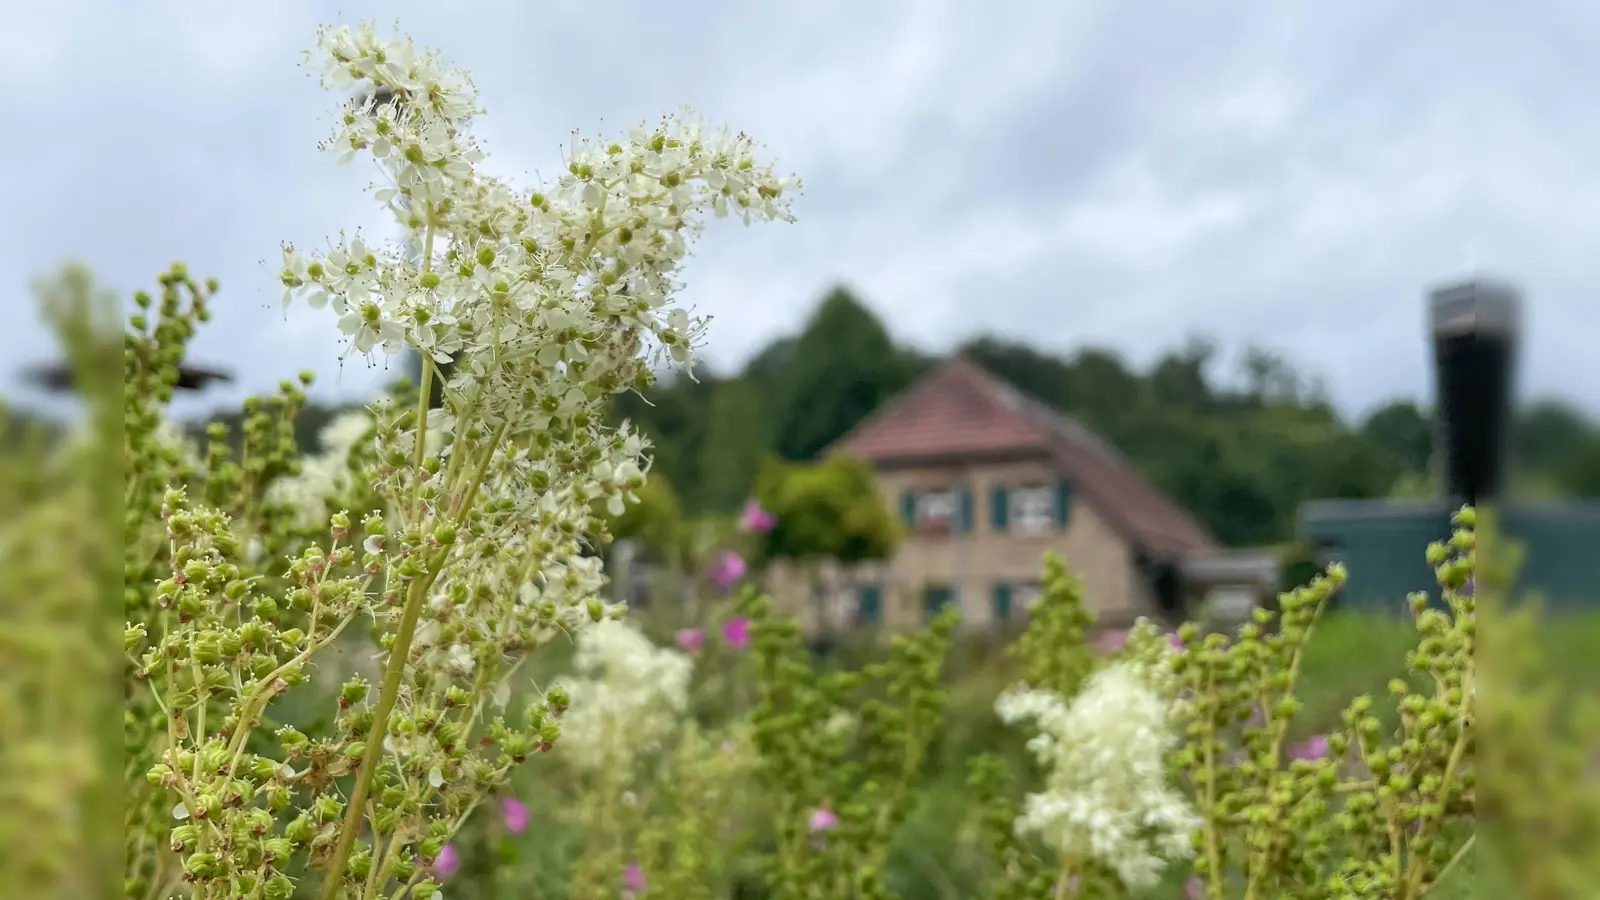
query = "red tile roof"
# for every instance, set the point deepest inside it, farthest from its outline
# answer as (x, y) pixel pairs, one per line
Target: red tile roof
(960, 410)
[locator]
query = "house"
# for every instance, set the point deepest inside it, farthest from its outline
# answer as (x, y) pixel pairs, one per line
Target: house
(987, 480)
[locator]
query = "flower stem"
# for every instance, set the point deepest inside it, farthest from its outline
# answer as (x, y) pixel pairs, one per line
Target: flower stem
(393, 674)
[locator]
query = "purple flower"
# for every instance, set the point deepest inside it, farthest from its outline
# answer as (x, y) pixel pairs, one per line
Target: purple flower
(633, 878)
(690, 639)
(1312, 748)
(823, 819)
(1110, 642)
(736, 633)
(514, 813)
(1194, 888)
(756, 520)
(726, 569)
(446, 863)
(1175, 640)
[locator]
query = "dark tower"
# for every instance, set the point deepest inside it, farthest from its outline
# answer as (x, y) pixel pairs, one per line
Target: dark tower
(1475, 328)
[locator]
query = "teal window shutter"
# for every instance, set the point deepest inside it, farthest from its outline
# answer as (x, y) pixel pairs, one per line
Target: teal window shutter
(998, 507)
(869, 603)
(908, 507)
(1063, 502)
(966, 510)
(1002, 602)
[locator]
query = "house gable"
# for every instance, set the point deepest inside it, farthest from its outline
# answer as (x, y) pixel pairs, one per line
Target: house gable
(961, 415)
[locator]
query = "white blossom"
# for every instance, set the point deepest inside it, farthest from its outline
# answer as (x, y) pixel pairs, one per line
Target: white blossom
(1106, 794)
(629, 696)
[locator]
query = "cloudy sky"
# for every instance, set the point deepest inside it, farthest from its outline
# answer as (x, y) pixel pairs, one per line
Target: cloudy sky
(1068, 172)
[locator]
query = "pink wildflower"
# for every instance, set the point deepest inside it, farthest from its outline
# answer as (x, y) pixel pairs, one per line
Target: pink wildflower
(446, 863)
(514, 813)
(632, 879)
(823, 819)
(1110, 642)
(1194, 888)
(1312, 748)
(736, 633)
(756, 520)
(690, 639)
(726, 570)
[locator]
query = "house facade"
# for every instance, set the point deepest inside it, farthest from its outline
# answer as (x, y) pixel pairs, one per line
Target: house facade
(986, 481)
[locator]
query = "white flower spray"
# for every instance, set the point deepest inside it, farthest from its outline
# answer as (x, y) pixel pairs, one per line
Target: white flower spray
(629, 697)
(549, 301)
(1107, 797)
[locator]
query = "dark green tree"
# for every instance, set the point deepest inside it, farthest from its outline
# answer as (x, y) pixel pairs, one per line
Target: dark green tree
(1403, 430)
(844, 366)
(735, 444)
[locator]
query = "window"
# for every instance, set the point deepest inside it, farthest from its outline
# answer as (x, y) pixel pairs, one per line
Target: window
(936, 508)
(935, 597)
(1033, 510)
(940, 511)
(1024, 596)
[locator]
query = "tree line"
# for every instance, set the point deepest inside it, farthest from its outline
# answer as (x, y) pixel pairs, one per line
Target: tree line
(1243, 453)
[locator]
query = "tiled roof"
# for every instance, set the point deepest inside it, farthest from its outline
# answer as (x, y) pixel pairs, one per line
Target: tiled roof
(960, 410)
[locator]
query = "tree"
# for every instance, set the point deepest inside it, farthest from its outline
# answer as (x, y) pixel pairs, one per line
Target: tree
(831, 509)
(1403, 430)
(826, 510)
(844, 366)
(730, 457)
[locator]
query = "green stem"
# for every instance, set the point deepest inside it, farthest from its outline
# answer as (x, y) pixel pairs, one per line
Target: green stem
(394, 673)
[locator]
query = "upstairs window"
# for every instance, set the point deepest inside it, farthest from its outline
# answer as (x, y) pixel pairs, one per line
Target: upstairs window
(938, 511)
(1033, 510)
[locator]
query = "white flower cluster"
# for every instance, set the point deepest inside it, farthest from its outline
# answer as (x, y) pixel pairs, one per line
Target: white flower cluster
(630, 696)
(548, 301)
(1107, 796)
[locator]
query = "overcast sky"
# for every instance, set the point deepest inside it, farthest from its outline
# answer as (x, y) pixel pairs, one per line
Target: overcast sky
(1065, 172)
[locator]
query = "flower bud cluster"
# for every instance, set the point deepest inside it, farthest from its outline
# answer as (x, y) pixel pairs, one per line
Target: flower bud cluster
(1362, 811)
(848, 788)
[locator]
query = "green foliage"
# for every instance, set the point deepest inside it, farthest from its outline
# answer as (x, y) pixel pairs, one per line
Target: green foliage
(829, 509)
(846, 746)
(730, 459)
(656, 520)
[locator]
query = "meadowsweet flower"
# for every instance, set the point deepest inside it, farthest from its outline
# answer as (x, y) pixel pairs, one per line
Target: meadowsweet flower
(514, 815)
(690, 639)
(725, 570)
(736, 632)
(756, 520)
(446, 863)
(1106, 795)
(630, 695)
(823, 819)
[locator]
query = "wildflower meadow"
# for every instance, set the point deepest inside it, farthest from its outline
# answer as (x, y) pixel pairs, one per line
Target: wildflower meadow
(396, 668)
